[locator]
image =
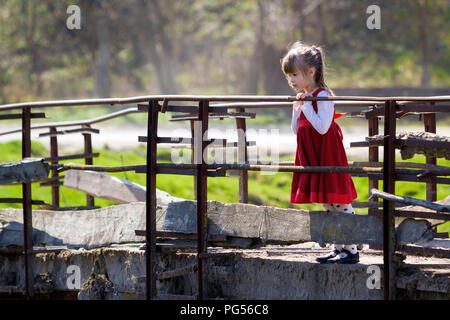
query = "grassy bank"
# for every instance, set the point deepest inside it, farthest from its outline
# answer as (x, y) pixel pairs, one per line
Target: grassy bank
(264, 189)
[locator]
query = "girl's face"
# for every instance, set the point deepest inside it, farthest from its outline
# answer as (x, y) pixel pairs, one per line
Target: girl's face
(299, 81)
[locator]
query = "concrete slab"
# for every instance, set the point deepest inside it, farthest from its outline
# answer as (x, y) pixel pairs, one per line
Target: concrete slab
(275, 272)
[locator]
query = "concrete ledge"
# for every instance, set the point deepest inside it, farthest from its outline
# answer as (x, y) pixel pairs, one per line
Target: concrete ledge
(268, 273)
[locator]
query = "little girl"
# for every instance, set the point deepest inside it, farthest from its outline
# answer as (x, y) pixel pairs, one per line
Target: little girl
(319, 142)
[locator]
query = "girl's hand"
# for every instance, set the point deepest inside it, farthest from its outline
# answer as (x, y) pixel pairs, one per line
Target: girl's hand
(300, 95)
(298, 104)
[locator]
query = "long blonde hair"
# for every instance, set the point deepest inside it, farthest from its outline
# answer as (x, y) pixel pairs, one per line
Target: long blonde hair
(302, 57)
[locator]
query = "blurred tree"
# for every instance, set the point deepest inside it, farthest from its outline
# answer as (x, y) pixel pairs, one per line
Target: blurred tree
(213, 46)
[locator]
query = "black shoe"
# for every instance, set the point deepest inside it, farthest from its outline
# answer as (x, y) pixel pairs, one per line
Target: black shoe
(325, 258)
(345, 257)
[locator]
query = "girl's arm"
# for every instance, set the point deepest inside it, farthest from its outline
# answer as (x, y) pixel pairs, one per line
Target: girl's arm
(296, 110)
(321, 121)
(295, 115)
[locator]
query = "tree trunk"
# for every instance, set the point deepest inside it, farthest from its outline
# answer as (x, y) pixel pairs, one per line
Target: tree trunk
(103, 57)
(424, 42)
(256, 61)
(167, 54)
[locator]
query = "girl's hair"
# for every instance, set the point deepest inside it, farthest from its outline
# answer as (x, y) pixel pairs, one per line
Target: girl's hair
(301, 57)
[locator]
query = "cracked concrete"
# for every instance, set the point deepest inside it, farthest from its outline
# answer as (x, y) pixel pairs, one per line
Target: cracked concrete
(273, 272)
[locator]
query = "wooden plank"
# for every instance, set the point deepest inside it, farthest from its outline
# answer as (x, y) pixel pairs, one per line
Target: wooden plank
(411, 201)
(374, 204)
(117, 224)
(417, 214)
(277, 225)
(410, 142)
(24, 171)
(93, 183)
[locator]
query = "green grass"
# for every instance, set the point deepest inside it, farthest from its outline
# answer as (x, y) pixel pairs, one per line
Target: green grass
(264, 189)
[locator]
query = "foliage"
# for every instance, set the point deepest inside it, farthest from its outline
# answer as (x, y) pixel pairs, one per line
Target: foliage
(212, 46)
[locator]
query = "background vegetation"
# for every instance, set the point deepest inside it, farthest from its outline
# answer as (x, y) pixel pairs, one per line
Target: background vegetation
(136, 47)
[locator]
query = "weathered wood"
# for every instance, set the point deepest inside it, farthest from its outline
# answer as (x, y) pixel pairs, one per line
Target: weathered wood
(78, 228)
(117, 224)
(277, 225)
(118, 190)
(412, 201)
(24, 171)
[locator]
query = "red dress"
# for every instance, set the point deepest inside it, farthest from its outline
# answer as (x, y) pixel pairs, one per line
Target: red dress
(315, 149)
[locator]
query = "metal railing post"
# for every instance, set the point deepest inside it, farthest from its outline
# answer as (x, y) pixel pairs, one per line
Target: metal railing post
(202, 180)
(90, 201)
(27, 209)
(388, 206)
(242, 156)
(150, 222)
(429, 120)
(54, 154)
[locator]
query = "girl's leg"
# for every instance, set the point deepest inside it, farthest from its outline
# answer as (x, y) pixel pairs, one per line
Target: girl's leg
(328, 207)
(346, 208)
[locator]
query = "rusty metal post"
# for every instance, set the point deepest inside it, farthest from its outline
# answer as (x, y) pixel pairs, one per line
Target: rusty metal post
(389, 242)
(90, 202)
(373, 152)
(150, 222)
(192, 155)
(27, 210)
(54, 154)
(429, 120)
(202, 217)
(373, 157)
(242, 155)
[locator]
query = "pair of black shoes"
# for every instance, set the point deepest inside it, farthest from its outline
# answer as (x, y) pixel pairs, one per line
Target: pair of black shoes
(342, 257)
